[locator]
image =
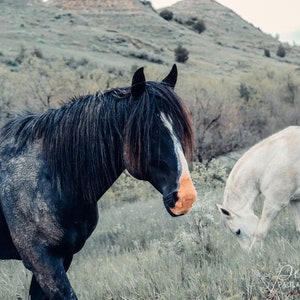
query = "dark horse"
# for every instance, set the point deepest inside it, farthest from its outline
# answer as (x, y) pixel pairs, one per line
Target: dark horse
(56, 165)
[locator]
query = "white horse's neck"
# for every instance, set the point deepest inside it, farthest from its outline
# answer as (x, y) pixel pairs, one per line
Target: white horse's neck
(238, 197)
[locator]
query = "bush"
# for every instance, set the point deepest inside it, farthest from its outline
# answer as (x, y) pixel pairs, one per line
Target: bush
(246, 92)
(267, 53)
(216, 125)
(181, 54)
(191, 21)
(179, 21)
(291, 88)
(21, 55)
(38, 53)
(281, 51)
(199, 26)
(196, 24)
(166, 14)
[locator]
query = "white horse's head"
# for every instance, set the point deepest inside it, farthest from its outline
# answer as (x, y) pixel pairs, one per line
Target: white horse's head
(242, 224)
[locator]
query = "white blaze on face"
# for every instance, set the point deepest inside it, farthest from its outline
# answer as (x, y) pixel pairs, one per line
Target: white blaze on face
(186, 191)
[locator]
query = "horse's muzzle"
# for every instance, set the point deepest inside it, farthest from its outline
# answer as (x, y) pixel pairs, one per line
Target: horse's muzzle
(180, 202)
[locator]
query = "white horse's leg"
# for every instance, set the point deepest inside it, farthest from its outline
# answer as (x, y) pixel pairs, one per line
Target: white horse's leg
(295, 208)
(273, 204)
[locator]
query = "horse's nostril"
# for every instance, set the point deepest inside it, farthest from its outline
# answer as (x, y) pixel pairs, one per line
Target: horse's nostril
(170, 200)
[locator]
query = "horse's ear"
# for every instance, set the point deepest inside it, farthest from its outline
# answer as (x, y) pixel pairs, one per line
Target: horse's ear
(138, 83)
(171, 79)
(226, 212)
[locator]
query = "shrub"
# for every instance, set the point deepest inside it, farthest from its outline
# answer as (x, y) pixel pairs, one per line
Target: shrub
(74, 64)
(181, 54)
(166, 14)
(246, 92)
(291, 88)
(199, 26)
(21, 55)
(143, 54)
(38, 53)
(216, 125)
(196, 24)
(267, 53)
(191, 21)
(209, 175)
(281, 51)
(178, 20)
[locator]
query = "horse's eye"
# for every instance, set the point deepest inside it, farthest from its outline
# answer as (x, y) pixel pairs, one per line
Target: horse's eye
(238, 232)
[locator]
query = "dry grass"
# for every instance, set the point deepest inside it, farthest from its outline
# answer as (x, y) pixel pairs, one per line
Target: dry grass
(139, 252)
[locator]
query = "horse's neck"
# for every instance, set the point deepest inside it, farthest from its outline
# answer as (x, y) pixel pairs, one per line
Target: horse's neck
(238, 199)
(109, 172)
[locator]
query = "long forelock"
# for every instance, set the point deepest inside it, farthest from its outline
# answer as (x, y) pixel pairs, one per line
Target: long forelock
(158, 98)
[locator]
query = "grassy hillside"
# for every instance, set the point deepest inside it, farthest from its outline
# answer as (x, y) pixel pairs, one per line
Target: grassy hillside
(133, 33)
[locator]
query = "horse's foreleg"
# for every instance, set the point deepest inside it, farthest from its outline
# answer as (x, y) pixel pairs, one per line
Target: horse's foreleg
(7, 247)
(36, 291)
(295, 209)
(270, 210)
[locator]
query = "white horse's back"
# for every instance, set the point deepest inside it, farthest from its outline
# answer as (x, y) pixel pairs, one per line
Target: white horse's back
(271, 168)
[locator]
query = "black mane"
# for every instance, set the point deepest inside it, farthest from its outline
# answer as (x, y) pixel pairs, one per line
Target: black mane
(81, 140)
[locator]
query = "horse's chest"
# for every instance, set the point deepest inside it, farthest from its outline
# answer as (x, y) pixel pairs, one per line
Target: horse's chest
(78, 226)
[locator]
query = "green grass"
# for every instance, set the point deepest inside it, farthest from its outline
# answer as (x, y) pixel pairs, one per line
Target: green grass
(139, 252)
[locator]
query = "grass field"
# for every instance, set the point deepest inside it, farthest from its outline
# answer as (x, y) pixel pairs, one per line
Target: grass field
(139, 252)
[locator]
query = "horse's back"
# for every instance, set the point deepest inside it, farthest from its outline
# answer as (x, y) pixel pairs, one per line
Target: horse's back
(276, 158)
(285, 143)
(289, 137)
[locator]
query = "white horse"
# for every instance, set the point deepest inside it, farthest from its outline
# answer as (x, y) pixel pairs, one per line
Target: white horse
(270, 168)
